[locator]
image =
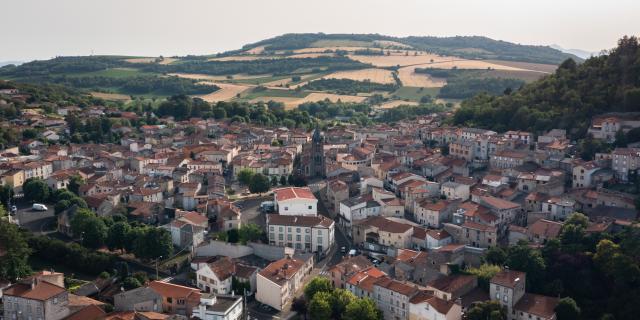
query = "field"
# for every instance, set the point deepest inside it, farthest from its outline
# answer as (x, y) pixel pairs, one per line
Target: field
(396, 103)
(207, 77)
(319, 96)
(310, 55)
(227, 91)
(271, 93)
(111, 96)
(414, 93)
(243, 58)
(256, 50)
(544, 68)
(411, 79)
(400, 59)
(324, 49)
(387, 44)
(340, 43)
(151, 60)
(371, 74)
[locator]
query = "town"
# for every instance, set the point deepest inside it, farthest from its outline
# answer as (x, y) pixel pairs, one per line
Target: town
(215, 219)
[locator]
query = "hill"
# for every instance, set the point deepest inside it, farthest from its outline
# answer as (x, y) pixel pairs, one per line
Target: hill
(566, 99)
(470, 47)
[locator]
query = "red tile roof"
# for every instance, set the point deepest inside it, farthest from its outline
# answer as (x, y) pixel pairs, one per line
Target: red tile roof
(537, 305)
(41, 291)
(508, 278)
(285, 194)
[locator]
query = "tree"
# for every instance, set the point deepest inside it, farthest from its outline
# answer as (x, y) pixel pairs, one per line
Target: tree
(577, 218)
(249, 232)
(523, 258)
(91, 229)
(130, 283)
(362, 309)
(444, 150)
(153, 243)
(621, 139)
(36, 190)
(259, 183)
(320, 306)
(117, 235)
(496, 256)
(274, 181)
(244, 176)
(233, 236)
(239, 287)
(14, 263)
(74, 183)
(484, 273)
(567, 309)
(488, 310)
(340, 299)
(283, 180)
(29, 134)
(317, 284)
(6, 195)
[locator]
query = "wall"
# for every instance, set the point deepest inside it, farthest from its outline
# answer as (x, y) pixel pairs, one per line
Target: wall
(220, 248)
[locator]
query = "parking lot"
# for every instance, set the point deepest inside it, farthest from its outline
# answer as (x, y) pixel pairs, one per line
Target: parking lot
(35, 221)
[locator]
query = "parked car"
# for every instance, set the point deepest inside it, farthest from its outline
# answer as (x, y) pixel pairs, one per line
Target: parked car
(39, 207)
(14, 209)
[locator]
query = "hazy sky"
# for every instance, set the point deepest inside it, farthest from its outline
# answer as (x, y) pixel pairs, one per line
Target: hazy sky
(39, 29)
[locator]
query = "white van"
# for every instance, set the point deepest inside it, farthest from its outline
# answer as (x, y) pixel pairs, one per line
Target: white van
(39, 207)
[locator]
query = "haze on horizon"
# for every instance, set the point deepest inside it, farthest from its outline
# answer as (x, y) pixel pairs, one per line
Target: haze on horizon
(37, 29)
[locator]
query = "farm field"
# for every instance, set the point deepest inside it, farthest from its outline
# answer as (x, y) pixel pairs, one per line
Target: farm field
(387, 43)
(409, 78)
(206, 77)
(396, 59)
(151, 60)
(227, 91)
(538, 67)
(256, 50)
(332, 49)
(395, 103)
(111, 96)
(340, 43)
(371, 74)
(113, 73)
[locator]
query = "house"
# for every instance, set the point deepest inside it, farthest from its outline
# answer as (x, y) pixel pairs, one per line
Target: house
(508, 159)
(361, 283)
(433, 213)
(218, 307)
(14, 178)
(393, 297)
(453, 190)
(176, 299)
(337, 191)
(141, 299)
(216, 277)
(558, 208)
(295, 201)
(311, 234)
(509, 288)
(342, 272)
(35, 298)
(583, 174)
(425, 306)
(356, 209)
(278, 282)
(184, 234)
(383, 231)
(543, 230)
(624, 160)
(147, 195)
(452, 287)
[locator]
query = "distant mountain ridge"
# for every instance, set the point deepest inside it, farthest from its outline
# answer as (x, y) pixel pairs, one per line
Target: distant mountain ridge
(470, 47)
(584, 54)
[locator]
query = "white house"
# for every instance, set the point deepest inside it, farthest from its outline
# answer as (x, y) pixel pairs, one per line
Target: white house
(278, 282)
(313, 234)
(216, 277)
(425, 306)
(214, 307)
(294, 201)
(454, 190)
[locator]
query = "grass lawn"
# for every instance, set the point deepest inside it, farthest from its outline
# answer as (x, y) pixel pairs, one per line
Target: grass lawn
(415, 93)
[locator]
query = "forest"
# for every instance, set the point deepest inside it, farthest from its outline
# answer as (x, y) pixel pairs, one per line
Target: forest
(567, 99)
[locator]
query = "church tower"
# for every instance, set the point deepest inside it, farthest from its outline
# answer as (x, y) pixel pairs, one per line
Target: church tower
(317, 154)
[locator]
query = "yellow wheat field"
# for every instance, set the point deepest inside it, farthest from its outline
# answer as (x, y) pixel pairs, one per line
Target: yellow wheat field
(256, 50)
(371, 74)
(409, 78)
(399, 59)
(396, 103)
(320, 96)
(111, 96)
(226, 92)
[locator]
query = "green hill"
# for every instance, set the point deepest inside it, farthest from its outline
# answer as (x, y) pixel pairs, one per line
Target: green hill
(566, 99)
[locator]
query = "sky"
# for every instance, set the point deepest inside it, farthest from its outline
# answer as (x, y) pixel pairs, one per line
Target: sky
(42, 29)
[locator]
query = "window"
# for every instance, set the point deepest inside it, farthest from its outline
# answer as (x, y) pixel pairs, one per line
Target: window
(298, 237)
(286, 208)
(289, 237)
(271, 228)
(310, 207)
(288, 229)
(306, 230)
(297, 230)
(169, 300)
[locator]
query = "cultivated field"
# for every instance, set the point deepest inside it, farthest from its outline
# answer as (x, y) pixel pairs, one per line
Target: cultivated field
(371, 74)
(111, 96)
(395, 103)
(467, 64)
(409, 78)
(332, 49)
(226, 92)
(256, 50)
(320, 96)
(207, 77)
(386, 44)
(396, 59)
(545, 68)
(242, 58)
(340, 43)
(310, 55)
